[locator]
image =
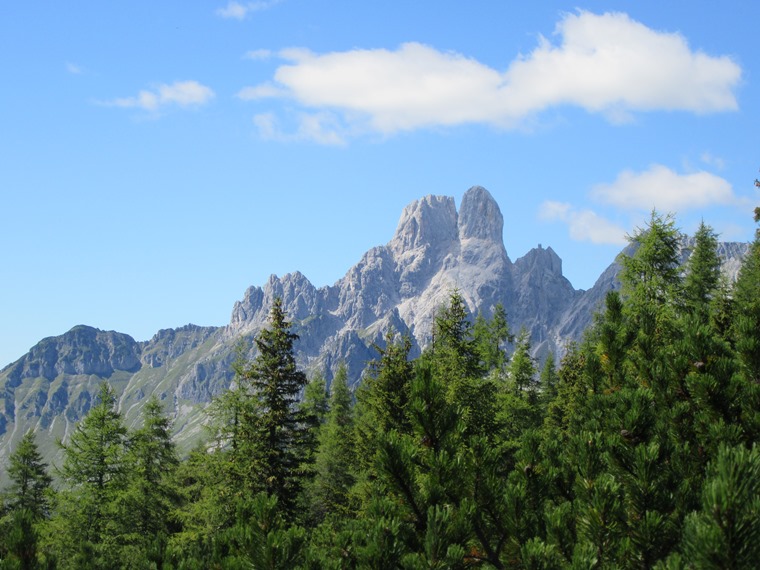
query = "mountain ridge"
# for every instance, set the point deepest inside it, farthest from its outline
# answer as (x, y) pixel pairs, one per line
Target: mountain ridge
(401, 284)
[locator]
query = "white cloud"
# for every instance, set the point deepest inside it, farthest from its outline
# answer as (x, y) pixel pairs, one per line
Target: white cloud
(180, 93)
(238, 11)
(258, 54)
(584, 225)
(320, 128)
(611, 63)
(261, 91)
(712, 160)
(73, 68)
(606, 64)
(665, 190)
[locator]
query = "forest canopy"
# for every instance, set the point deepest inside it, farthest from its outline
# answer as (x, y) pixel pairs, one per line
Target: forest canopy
(636, 450)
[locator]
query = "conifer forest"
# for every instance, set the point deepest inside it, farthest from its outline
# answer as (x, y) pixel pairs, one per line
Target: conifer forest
(636, 449)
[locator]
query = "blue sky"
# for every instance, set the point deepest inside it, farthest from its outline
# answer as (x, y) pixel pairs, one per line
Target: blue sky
(157, 158)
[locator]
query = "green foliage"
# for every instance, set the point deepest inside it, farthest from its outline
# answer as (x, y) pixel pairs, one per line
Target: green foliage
(489, 337)
(87, 525)
(638, 451)
(261, 538)
(336, 458)
(702, 271)
(265, 432)
(747, 312)
(30, 482)
(383, 398)
(725, 533)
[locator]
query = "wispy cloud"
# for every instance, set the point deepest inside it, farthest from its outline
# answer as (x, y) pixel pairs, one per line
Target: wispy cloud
(633, 194)
(583, 225)
(661, 188)
(73, 68)
(258, 54)
(318, 127)
(607, 64)
(240, 11)
(179, 93)
(712, 160)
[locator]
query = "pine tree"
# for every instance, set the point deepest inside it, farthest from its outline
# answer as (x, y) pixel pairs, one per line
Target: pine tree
(548, 380)
(315, 404)
(455, 361)
(746, 305)
(335, 459)
(702, 271)
(489, 337)
(273, 432)
(454, 350)
(425, 475)
(652, 288)
(30, 482)
(383, 397)
(27, 503)
(94, 471)
(522, 368)
(725, 533)
(150, 496)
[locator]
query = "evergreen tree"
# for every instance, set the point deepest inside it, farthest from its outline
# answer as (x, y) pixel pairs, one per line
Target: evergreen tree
(522, 368)
(262, 537)
(548, 380)
(30, 482)
(273, 433)
(702, 271)
(425, 477)
(26, 503)
(725, 533)
(455, 361)
(335, 459)
(150, 496)
(315, 404)
(746, 307)
(652, 288)
(454, 348)
(383, 397)
(489, 337)
(87, 529)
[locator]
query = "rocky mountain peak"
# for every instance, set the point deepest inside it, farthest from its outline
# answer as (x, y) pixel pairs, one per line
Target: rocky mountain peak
(431, 220)
(480, 216)
(542, 259)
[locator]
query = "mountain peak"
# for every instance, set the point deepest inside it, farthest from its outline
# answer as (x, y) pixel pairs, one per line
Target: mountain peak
(480, 216)
(429, 220)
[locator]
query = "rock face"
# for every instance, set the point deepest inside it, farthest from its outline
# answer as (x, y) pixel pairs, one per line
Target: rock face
(400, 285)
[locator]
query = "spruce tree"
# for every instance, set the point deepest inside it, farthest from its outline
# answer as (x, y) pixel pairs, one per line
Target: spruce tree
(273, 431)
(150, 496)
(489, 337)
(94, 471)
(702, 271)
(27, 502)
(335, 460)
(383, 397)
(30, 482)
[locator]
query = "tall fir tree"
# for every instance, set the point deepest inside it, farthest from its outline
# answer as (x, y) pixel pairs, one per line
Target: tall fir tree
(87, 528)
(150, 496)
(27, 502)
(30, 482)
(336, 459)
(702, 271)
(383, 397)
(490, 336)
(274, 431)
